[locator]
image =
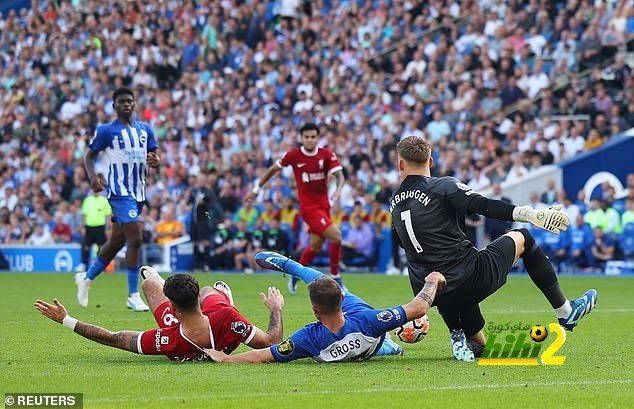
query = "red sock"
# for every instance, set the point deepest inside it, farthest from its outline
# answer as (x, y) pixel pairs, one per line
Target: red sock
(334, 252)
(307, 256)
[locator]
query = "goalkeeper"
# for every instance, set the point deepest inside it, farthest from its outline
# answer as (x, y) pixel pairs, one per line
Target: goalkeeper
(428, 215)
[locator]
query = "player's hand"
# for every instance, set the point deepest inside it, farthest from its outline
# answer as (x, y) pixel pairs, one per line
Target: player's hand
(436, 277)
(98, 183)
(336, 195)
(552, 219)
(275, 300)
(153, 159)
(56, 311)
(216, 356)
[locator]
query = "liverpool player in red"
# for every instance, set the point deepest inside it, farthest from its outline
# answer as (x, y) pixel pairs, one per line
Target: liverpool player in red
(190, 320)
(312, 166)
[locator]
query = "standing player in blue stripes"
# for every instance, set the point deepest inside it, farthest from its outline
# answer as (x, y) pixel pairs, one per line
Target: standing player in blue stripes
(128, 147)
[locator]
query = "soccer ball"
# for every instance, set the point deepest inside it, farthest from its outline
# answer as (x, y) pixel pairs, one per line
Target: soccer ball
(539, 333)
(414, 330)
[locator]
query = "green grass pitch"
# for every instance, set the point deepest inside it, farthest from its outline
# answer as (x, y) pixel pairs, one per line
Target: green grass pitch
(38, 355)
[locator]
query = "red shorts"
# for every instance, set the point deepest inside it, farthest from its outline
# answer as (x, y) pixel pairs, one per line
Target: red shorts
(164, 314)
(317, 218)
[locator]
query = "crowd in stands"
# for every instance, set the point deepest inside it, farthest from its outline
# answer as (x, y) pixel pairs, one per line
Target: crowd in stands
(495, 85)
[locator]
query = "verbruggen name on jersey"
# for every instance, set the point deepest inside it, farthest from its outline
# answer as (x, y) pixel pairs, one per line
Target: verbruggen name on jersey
(410, 194)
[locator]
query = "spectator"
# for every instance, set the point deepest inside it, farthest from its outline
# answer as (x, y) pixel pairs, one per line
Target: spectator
(549, 197)
(438, 128)
(221, 254)
(596, 215)
(269, 212)
(168, 228)
(247, 213)
(337, 215)
(40, 237)
(581, 239)
(241, 247)
(628, 215)
(358, 243)
(602, 248)
(61, 232)
(276, 239)
(380, 218)
(357, 210)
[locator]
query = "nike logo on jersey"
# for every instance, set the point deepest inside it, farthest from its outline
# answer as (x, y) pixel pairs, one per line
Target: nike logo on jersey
(301, 165)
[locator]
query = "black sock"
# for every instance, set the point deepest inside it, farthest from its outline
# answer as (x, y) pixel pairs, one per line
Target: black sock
(541, 271)
(477, 348)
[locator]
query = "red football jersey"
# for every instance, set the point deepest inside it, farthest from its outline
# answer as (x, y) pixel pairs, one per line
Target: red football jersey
(227, 329)
(311, 175)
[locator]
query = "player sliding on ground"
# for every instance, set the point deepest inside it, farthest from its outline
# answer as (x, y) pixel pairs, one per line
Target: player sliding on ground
(428, 214)
(348, 329)
(190, 320)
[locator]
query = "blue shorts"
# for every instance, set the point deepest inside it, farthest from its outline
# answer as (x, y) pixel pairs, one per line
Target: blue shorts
(125, 210)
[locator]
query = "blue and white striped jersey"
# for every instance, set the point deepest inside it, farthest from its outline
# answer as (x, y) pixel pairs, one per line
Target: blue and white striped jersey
(359, 339)
(124, 152)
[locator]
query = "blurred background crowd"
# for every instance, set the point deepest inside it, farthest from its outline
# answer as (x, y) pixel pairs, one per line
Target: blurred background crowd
(500, 88)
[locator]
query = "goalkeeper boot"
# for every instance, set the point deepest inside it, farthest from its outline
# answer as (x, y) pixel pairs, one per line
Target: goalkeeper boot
(580, 308)
(460, 346)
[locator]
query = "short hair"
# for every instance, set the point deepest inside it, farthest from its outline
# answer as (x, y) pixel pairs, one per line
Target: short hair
(182, 291)
(309, 126)
(121, 91)
(325, 293)
(414, 149)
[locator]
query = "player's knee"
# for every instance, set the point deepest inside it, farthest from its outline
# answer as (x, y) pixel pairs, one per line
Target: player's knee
(336, 237)
(134, 241)
(529, 243)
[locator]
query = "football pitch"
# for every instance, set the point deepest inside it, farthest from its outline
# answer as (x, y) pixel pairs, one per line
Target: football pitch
(39, 356)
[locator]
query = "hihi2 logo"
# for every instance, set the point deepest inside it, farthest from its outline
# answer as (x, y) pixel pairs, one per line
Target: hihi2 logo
(519, 350)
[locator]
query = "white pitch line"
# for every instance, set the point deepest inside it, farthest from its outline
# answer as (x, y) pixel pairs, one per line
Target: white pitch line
(364, 391)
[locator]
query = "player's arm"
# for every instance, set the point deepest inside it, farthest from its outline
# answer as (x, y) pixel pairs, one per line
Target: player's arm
(126, 340)
(97, 181)
(273, 335)
(466, 200)
(425, 298)
(340, 180)
(256, 356)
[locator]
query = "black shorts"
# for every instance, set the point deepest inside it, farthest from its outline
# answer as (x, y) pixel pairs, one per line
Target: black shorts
(94, 235)
(201, 231)
(490, 267)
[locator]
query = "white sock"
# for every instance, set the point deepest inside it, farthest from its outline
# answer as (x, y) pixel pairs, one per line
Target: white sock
(563, 311)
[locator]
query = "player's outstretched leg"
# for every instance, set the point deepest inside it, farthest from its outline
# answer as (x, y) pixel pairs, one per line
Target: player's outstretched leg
(389, 347)
(106, 254)
(543, 275)
(274, 261)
